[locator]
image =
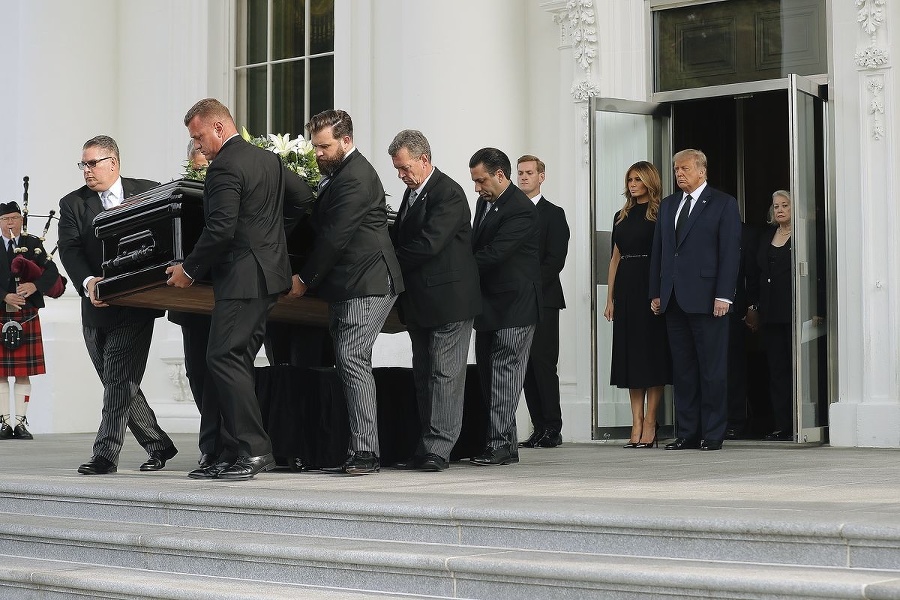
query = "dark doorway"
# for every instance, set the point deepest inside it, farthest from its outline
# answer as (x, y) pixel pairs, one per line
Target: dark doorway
(746, 142)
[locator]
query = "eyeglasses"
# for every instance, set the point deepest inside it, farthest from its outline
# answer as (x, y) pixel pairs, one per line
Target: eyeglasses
(90, 163)
(12, 219)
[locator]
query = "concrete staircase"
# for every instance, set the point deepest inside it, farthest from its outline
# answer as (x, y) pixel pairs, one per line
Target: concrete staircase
(72, 537)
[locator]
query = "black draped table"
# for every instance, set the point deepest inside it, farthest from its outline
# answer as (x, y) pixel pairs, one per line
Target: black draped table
(305, 414)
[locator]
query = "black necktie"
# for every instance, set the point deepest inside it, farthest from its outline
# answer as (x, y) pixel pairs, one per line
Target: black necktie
(484, 213)
(682, 218)
(10, 251)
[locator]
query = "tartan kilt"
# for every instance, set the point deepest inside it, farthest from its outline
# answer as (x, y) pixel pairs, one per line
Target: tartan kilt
(27, 359)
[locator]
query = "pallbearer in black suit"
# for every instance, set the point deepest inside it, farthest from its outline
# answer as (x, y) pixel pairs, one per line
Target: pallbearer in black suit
(541, 377)
(242, 248)
(117, 338)
(505, 242)
(693, 272)
(354, 268)
(433, 241)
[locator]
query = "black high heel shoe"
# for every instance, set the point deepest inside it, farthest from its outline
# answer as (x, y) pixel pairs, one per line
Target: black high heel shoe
(654, 442)
(631, 444)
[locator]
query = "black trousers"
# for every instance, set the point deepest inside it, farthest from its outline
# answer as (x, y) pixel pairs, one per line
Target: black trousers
(236, 334)
(541, 377)
(777, 340)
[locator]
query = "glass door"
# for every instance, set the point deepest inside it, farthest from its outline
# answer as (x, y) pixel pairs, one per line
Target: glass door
(808, 118)
(622, 132)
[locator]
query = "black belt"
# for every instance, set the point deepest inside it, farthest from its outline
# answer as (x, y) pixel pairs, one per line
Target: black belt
(627, 256)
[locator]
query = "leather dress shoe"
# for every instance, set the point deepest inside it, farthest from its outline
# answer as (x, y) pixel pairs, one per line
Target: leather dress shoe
(433, 462)
(780, 436)
(156, 459)
(358, 463)
(683, 444)
(410, 464)
(97, 466)
(495, 456)
(298, 465)
(20, 432)
(210, 472)
(245, 467)
(711, 445)
(6, 432)
(550, 439)
(532, 440)
(206, 460)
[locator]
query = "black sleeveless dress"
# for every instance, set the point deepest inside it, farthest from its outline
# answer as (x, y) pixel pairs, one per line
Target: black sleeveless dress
(640, 348)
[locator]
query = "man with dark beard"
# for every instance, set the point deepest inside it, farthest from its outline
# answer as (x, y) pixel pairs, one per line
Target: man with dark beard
(354, 268)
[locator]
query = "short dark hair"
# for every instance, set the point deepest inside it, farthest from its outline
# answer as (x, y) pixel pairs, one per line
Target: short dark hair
(105, 142)
(208, 107)
(414, 141)
(529, 158)
(340, 122)
(492, 159)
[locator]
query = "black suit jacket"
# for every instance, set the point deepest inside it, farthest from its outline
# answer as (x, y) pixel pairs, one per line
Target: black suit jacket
(81, 252)
(770, 285)
(553, 245)
(37, 254)
(433, 242)
(353, 255)
(246, 197)
(505, 244)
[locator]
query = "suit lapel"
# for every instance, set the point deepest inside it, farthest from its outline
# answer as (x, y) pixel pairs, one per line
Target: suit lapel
(699, 206)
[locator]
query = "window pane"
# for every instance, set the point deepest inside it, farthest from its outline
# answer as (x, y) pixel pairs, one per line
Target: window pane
(251, 96)
(321, 35)
(289, 29)
(252, 17)
(742, 40)
(287, 97)
(321, 84)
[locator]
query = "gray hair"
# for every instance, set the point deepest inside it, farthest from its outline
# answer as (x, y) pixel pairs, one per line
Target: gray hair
(105, 142)
(414, 141)
(770, 219)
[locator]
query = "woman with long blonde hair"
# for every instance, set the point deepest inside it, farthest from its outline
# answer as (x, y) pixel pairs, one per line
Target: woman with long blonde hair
(640, 350)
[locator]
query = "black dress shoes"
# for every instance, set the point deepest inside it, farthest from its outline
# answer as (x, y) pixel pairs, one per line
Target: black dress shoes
(298, 465)
(156, 459)
(206, 460)
(550, 439)
(495, 456)
(532, 441)
(780, 436)
(683, 444)
(245, 467)
(97, 466)
(410, 464)
(358, 463)
(433, 462)
(6, 432)
(211, 471)
(711, 445)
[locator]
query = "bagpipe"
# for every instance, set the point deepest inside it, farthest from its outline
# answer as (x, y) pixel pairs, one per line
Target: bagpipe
(26, 270)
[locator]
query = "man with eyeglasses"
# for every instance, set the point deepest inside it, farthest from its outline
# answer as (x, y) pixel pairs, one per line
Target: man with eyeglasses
(117, 337)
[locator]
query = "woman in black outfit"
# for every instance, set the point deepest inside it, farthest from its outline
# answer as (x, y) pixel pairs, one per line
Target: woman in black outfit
(640, 348)
(770, 296)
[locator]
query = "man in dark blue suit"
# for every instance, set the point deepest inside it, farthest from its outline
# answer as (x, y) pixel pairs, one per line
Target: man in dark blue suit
(693, 274)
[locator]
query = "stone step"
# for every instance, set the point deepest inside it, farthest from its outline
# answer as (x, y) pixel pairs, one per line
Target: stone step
(31, 578)
(422, 569)
(813, 538)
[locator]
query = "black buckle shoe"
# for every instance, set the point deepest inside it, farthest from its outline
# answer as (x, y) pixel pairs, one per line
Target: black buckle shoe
(6, 432)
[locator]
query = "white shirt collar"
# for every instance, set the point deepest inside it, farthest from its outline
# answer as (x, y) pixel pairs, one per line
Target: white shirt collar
(695, 194)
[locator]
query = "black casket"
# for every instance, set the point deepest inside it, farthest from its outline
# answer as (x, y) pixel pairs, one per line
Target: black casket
(158, 228)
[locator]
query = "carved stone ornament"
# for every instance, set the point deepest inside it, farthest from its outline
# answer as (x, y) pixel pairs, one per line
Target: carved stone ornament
(585, 89)
(870, 16)
(580, 14)
(875, 83)
(871, 57)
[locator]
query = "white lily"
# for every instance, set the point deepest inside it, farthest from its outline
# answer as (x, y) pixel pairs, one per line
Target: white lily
(282, 144)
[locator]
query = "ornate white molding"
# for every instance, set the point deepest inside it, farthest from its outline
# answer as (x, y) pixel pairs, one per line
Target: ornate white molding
(178, 379)
(875, 84)
(585, 89)
(871, 18)
(580, 14)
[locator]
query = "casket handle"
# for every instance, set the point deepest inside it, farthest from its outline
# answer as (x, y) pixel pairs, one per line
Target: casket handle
(132, 248)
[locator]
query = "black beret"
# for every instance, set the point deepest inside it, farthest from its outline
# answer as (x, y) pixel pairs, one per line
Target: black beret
(9, 207)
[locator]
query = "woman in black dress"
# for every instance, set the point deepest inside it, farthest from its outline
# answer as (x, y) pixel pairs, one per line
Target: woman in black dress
(769, 296)
(640, 349)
